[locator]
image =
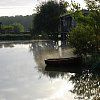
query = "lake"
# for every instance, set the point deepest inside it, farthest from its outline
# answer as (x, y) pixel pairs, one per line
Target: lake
(23, 75)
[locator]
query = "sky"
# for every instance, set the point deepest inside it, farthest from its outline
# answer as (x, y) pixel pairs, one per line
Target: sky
(22, 7)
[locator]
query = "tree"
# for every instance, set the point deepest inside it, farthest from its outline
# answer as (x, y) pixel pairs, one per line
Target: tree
(85, 37)
(18, 28)
(46, 19)
(14, 28)
(7, 29)
(26, 21)
(82, 39)
(94, 8)
(93, 4)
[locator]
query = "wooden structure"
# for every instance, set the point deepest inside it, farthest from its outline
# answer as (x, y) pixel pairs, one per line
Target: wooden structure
(72, 64)
(66, 24)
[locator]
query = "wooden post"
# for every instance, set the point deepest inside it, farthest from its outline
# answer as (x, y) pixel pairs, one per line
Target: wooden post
(66, 24)
(0, 27)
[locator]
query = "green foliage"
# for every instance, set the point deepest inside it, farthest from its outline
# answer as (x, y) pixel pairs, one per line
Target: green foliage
(93, 4)
(7, 29)
(83, 39)
(46, 19)
(92, 62)
(74, 6)
(17, 27)
(14, 28)
(86, 36)
(26, 21)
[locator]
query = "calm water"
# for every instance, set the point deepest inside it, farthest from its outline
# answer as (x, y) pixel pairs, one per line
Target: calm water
(23, 75)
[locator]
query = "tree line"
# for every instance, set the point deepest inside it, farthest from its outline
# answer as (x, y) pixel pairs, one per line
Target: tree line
(85, 37)
(16, 23)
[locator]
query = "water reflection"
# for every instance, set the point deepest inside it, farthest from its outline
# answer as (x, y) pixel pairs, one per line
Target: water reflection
(11, 44)
(86, 85)
(5, 45)
(23, 75)
(48, 49)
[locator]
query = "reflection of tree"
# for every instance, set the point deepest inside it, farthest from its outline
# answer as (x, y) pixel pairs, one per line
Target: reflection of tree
(5, 45)
(86, 86)
(9, 45)
(47, 49)
(52, 74)
(41, 50)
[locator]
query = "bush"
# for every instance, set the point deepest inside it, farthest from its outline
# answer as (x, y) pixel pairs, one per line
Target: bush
(82, 38)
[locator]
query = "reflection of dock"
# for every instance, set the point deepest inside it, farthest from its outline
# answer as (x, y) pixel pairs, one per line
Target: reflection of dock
(64, 69)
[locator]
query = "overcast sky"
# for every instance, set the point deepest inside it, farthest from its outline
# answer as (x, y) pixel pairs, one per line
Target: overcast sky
(21, 7)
